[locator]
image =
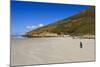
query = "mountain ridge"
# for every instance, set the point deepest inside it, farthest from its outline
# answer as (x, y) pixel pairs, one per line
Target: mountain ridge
(82, 23)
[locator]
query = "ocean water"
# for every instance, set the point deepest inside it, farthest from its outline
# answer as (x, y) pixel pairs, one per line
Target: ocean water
(17, 36)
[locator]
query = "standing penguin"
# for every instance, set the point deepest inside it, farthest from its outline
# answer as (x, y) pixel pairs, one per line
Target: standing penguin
(81, 45)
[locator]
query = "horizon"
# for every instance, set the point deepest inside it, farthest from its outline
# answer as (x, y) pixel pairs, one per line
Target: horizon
(26, 16)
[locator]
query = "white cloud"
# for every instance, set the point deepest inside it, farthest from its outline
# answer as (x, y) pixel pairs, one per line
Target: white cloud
(31, 27)
(40, 25)
(34, 27)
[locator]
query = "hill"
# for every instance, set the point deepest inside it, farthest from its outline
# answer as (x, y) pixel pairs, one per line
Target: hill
(82, 23)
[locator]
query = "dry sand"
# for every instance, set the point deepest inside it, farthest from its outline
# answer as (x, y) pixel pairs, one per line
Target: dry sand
(25, 51)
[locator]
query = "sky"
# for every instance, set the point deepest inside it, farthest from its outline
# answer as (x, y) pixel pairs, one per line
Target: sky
(26, 16)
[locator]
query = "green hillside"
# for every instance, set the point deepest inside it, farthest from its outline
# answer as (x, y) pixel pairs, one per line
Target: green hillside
(82, 23)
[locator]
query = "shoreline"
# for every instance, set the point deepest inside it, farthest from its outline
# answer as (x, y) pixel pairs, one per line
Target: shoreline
(74, 37)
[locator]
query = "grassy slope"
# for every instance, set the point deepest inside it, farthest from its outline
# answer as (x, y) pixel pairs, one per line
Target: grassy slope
(79, 24)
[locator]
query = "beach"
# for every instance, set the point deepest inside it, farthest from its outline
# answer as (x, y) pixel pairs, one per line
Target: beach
(47, 50)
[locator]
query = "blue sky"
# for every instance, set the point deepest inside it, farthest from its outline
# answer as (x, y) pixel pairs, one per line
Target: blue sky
(26, 16)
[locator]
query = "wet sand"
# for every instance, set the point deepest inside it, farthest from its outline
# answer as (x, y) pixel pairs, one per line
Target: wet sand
(29, 51)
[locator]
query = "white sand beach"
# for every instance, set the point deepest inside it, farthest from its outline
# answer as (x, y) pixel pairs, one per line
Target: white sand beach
(29, 51)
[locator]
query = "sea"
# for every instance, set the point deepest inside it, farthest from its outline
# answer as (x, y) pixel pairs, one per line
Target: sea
(17, 36)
